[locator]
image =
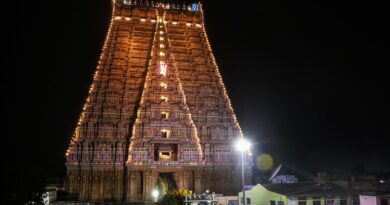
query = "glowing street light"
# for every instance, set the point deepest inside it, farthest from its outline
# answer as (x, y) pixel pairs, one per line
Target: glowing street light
(155, 194)
(243, 145)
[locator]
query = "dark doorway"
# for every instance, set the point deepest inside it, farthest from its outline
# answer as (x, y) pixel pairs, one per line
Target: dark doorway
(166, 182)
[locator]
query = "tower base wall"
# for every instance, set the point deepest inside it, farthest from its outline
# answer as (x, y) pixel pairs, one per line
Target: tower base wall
(98, 184)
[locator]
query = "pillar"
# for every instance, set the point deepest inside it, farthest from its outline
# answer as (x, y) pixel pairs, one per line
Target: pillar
(132, 186)
(198, 181)
(149, 183)
(178, 176)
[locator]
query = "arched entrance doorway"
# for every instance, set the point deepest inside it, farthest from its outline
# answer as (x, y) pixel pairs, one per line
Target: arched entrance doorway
(165, 182)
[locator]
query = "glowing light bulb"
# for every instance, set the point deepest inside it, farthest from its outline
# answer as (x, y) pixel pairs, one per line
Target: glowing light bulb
(163, 69)
(243, 145)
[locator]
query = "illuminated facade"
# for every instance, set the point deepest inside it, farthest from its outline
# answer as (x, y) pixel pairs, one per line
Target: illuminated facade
(157, 113)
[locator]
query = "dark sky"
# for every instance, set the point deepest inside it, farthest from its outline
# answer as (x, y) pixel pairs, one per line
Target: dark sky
(307, 80)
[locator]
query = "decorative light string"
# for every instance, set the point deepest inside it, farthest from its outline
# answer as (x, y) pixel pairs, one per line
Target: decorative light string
(92, 88)
(219, 74)
(161, 22)
(184, 96)
(148, 74)
(95, 76)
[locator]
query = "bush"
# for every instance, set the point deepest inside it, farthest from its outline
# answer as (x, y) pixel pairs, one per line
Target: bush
(175, 197)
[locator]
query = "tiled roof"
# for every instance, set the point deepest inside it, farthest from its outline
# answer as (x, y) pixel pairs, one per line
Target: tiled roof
(307, 189)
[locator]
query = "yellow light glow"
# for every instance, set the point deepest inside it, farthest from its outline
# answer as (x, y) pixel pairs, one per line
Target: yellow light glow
(163, 85)
(162, 46)
(164, 115)
(127, 18)
(153, 21)
(174, 23)
(264, 162)
(161, 32)
(161, 38)
(188, 24)
(118, 17)
(198, 25)
(143, 20)
(162, 53)
(165, 133)
(164, 98)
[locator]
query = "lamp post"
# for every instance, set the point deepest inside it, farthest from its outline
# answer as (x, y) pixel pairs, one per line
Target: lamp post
(243, 146)
(325, 188)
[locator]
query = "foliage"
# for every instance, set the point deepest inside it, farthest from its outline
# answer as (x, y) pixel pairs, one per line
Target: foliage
(175, 197)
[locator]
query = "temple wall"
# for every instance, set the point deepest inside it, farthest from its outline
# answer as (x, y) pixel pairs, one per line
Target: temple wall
(96, 184)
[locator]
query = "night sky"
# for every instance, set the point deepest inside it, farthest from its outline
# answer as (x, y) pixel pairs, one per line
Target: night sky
(307, 80)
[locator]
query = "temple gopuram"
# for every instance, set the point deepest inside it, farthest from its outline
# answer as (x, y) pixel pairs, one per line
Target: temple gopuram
(157, 115)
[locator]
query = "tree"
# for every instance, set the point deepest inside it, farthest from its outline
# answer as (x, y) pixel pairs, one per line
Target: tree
(175, 197)
(22, 185)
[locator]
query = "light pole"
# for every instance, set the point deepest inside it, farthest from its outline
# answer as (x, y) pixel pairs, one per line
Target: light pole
(243, 146)
(325, 187)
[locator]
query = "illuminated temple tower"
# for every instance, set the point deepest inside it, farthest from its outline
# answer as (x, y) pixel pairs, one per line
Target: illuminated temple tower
(157, 113)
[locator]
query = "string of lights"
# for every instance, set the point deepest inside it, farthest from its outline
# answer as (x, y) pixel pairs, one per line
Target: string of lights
(75, 135)
(219, 75)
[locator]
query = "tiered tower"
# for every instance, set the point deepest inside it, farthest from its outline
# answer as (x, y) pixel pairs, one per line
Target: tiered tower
(157, 111)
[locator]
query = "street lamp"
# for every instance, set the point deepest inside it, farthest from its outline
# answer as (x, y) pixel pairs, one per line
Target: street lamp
(243, 146)
(325, 187)
(155, 194)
